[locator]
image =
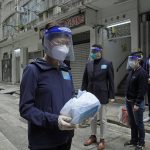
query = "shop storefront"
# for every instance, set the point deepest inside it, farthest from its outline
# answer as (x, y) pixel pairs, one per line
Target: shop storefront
(81, 43)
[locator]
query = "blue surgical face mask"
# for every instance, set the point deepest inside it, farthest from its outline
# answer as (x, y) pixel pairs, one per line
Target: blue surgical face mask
(96, 55)
(93, 56)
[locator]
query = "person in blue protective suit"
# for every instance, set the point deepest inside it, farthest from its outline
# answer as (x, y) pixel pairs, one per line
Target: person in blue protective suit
(135, 91)
(45, 87)
(98, 79)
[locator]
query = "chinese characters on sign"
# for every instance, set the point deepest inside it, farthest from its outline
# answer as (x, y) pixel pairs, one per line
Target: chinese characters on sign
(119, 31)
(72, 22)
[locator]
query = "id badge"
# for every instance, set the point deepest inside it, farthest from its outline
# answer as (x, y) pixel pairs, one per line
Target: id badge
(66, 75)
(103, 66)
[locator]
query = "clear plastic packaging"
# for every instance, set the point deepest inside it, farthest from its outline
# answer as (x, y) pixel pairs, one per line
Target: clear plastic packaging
(82, 107)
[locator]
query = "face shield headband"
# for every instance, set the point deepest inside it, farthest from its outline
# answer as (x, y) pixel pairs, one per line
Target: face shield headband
(58, 36)
(96, 49)
(57, 29)
(134, 58)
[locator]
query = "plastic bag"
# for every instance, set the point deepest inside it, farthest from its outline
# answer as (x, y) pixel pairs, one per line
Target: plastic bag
(124, 119)
(82, 107)
(80, 93)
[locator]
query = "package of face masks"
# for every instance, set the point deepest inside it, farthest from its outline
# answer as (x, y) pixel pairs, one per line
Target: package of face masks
(82, 107)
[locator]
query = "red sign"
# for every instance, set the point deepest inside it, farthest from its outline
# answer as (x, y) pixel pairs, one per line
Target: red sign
(74, 21)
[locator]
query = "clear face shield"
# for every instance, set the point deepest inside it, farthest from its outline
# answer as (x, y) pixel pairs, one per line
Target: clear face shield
(96, 52)
(133, 61)
(58, 44)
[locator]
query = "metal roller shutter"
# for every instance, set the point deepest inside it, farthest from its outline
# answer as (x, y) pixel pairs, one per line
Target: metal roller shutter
(81, 52)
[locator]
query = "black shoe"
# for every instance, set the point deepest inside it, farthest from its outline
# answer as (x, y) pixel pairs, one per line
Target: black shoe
(139, 147)
(130, 143)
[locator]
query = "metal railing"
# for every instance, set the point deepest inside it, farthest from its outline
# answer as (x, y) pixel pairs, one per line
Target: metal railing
(66, 2)
(121, 64)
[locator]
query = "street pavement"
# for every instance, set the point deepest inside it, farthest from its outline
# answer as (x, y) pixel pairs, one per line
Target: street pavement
(115, 138)
(13, 128)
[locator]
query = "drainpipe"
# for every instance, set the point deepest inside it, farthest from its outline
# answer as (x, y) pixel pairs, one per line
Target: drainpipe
(96, 28)
(138, 12)
(17, 14)
(14, 78)
(0, 48)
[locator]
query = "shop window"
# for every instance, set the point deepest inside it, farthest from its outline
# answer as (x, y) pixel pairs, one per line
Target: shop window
(5, 56)
(34, 55)
(83, 37)
(118, 31)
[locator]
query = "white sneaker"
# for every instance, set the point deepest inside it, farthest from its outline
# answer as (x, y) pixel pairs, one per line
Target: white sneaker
(146, 119)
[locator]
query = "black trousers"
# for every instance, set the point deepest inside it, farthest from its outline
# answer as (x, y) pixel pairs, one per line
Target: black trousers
(136, 123)
(66, 146)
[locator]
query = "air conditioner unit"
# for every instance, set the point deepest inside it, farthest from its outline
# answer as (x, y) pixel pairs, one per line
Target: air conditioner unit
(19, 9)
(56, 10)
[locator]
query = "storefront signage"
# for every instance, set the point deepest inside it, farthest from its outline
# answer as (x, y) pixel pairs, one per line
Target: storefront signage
(74, 21)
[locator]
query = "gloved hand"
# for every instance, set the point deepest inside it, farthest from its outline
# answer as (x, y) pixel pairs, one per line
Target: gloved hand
(148, 80)
(135, 108)
(64, 123)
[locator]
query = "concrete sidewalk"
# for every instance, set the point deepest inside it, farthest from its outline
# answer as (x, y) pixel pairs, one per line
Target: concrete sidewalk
(13, 128)
(9, 89)
(113, 115)
(116, 136)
